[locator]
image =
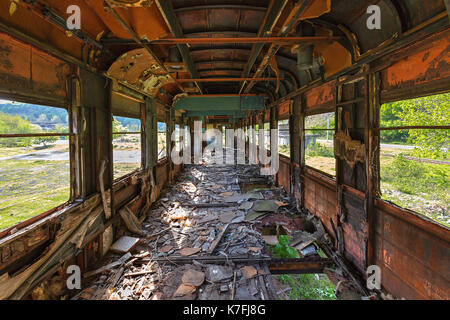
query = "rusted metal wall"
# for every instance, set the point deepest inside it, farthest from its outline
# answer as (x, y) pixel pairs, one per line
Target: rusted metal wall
(412, 251)
(419, 69)
(320, 197)
(29, 73)
(413, 254)
(355, 232)
(320, 98)
(284, 173)
(161, 173)
(284, 110)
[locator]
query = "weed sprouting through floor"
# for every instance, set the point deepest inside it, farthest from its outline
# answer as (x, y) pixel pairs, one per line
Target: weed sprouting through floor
(304, 286)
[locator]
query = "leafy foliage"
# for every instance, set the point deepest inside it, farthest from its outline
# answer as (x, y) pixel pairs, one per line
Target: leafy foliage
(305, 286)
(130, 123)
(320, 121)
(431, 111)
(15, 124)
(418, 178)
(117, 127)
(388, 118)
(45, 140)
(317, 150)
(282, 249)
(35, 113)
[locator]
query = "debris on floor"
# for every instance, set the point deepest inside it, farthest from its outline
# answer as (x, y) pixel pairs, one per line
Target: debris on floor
(205, 239)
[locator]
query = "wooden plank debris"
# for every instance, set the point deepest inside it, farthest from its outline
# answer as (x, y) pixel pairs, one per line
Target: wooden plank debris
(124, 244)
(217, 240)
(131, 221)
(109, 266)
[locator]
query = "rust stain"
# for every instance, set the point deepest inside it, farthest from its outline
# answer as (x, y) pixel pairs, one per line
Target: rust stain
(24, 67)
(320, 95)
(413, 259)
(284, 109)
(432, 63)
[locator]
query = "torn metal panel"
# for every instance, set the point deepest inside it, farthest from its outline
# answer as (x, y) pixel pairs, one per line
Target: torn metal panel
(347, 149)
(139, 69)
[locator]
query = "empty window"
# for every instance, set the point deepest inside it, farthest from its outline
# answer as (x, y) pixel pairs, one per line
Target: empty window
(34, 160)
(267, 135)
(414, 155)
(177, 138)
(126, 145)
(162, 140)
(224, 136)
(250, 135)
(319, 146)
(284, 147)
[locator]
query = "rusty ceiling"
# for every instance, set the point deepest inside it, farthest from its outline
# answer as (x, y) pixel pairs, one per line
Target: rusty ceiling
(122, 38)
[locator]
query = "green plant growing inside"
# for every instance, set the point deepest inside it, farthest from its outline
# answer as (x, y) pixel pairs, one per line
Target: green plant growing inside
(304, 286)
(282, 249)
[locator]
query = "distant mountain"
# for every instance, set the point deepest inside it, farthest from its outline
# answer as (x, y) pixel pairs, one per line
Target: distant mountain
(48, 117)
(133, 125)
(36, 114)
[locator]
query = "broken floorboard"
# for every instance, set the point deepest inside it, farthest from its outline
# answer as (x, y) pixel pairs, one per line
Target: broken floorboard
(203, 243)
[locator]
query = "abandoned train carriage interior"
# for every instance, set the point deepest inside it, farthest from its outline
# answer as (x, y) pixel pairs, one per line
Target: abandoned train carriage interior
(125, 74)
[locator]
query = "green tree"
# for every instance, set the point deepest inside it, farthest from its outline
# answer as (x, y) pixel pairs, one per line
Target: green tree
(15, 124)
(45, 140)
(118, 127)
(388, 118)
(427, 111)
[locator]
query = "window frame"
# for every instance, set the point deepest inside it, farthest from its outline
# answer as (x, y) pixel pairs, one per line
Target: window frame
(73, 186)
(162, 159)
(286, 119)
(333, 177)
(378, 130)
(142, 145)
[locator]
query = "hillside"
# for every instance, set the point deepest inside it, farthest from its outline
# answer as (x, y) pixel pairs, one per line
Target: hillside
(49, 117)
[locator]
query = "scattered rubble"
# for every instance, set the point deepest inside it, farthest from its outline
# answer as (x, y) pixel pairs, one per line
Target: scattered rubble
(205, 239)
